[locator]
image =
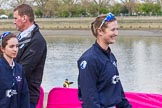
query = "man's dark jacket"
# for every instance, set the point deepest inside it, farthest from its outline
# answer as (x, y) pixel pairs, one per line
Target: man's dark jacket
(32, 54)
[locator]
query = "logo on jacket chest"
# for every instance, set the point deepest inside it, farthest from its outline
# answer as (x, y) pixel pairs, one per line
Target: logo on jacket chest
(115, 79)
(18, 78)
(83, 64)
(114, 63)
(10, 93)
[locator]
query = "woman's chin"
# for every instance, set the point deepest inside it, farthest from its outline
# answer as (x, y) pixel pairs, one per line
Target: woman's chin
(112, 42)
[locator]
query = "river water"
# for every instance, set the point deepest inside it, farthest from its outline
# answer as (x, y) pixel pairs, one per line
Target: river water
(139, 61)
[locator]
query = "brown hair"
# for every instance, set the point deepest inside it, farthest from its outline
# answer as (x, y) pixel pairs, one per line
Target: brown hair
(97, 22)
(4, 41)
(25, 9)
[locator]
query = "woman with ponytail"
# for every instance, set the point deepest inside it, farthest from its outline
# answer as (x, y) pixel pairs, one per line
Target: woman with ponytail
(14, 91)
(99, 83)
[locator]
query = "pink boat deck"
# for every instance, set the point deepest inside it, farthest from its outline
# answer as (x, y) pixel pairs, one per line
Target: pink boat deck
(68, 98)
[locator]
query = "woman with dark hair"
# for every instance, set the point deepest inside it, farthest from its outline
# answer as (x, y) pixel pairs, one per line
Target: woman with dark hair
(98, 81)
(14, 91)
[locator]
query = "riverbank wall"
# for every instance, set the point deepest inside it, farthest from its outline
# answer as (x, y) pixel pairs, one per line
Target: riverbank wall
(125, 23)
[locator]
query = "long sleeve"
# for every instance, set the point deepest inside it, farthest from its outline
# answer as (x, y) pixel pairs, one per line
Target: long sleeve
(124, 103)
(24, 102)
(87, 82)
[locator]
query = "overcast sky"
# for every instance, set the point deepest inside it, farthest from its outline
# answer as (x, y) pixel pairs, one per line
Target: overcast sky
(7, 4)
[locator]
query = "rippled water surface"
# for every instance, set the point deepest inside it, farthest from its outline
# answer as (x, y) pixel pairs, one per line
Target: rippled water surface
(139, 61)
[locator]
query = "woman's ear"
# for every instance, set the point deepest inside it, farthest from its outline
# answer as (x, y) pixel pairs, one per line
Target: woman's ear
(99, 31)
(2, 49)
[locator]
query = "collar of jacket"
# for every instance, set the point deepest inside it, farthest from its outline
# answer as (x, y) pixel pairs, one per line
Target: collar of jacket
(28, 38)
(6, 64)
(31, 33)
(107, 52)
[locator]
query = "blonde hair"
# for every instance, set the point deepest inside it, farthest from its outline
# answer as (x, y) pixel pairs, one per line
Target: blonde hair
(97, 22)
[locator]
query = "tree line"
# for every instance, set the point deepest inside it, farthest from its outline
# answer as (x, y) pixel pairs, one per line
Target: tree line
(86, 8)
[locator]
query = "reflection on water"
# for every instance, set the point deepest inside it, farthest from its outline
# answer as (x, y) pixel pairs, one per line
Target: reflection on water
(139, 61)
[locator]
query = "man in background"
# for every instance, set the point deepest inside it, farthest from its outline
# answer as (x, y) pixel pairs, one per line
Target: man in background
(32, 49)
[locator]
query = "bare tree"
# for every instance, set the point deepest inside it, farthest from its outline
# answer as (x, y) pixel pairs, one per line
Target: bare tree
(41, 4)
(149, 1)
(160, 2)
(129, 4)
(69, 4)
(14, 3)
(52, 8)
(85, 4)
(101, 3)
(21, 1)
(157, 1)
(2, 2)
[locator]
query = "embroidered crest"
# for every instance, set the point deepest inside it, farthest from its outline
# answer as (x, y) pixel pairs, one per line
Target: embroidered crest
(10, 93)
(114, 63)
(83, 64)
(18, 79)
(115, 79)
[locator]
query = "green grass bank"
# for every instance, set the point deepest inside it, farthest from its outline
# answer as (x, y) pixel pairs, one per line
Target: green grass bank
(128, 23)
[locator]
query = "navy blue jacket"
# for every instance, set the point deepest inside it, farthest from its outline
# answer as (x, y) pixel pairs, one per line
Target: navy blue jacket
(98, 80)
(14, 91)
(32, 55)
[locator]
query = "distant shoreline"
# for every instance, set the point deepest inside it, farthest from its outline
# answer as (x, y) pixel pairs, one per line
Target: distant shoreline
(88, 32)
(84, 23)
(146, 33)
